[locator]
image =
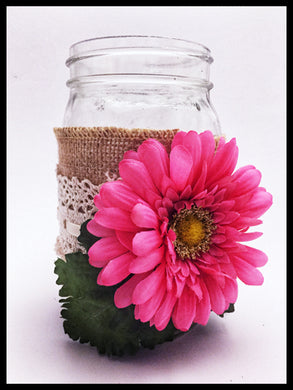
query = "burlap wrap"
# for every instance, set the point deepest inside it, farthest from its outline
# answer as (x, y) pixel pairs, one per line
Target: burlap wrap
(88, 157)
(95, 152)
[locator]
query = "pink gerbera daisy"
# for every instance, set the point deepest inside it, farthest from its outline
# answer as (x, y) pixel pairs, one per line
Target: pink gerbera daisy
(172, 227)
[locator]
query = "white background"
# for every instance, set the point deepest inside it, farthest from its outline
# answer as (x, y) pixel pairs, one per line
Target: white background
(248, 46)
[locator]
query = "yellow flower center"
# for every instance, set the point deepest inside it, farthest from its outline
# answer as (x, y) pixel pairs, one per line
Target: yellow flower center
(190, 230)
(193, 228)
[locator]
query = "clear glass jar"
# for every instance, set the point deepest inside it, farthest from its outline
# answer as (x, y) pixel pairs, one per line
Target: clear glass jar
(123, 91)
(146, 82)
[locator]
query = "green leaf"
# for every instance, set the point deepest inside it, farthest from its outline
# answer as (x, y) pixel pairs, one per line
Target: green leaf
(90, 315)
(95, 321)
(150, 336)
(74, 274)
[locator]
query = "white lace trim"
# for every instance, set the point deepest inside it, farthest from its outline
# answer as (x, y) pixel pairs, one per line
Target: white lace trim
(75, 205)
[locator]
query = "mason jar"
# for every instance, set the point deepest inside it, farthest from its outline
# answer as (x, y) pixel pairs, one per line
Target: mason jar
(123, 90)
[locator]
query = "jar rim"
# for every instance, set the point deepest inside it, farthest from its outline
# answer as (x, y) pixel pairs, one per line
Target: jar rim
(91, 47)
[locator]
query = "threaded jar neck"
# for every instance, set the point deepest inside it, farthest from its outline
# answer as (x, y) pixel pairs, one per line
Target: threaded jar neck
(132, 58)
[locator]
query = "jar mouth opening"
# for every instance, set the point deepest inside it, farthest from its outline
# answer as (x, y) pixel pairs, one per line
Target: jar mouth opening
(136, 43)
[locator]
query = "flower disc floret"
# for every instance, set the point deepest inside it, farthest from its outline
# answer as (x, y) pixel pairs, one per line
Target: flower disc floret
(193, 228)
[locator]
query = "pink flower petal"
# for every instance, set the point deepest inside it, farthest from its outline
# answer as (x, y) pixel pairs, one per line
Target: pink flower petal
(213, 271)
(248, 236)
(223, 206)
(116, 270)
(207, 146)
(146, 241)
(166, 184)
(230, 290)
(247, 179)
(229, 217)
(172, 195)
(218, 217)
(118, 194)
(193, 283)
(162, 213)
(220, 143)
(217, 298)
(125, 238)
(243, 222)
(105, 249)
(192, 142)
(253, 256)
(186, 193)
(200, 182)
(168, 204)
(123, 294)
(184, 310)
(259, 203)
(240, 171)
(218, 238)
(149, 286)
(155, 158)
(144, 216)
(115, 218)
(216, 251)
(240, 201)
(180, 166)
(135, 174)
(228, 269)
(164, 312)
(203, 308)
(247, 273)
(148, 262)
(235, 235)
(131, 154)
(220, 195)
(148, 309)
(98, 202)
(179, 284)
(184, 268)
(98, 230)
(224, 162)
(178, 139)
